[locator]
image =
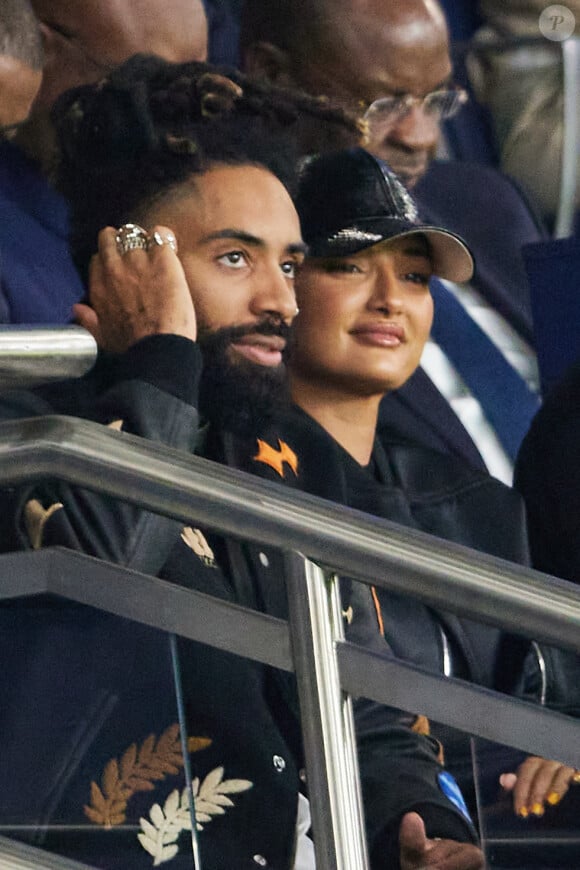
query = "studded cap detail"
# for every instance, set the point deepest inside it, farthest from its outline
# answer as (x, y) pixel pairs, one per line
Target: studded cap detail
(350, 200)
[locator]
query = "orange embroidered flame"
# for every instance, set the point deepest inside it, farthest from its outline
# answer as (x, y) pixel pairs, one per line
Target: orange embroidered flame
(276, 458)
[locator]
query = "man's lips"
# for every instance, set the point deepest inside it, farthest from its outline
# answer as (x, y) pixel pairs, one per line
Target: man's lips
(379, 334)
(410, 175)
(409, 171)
(266, 350)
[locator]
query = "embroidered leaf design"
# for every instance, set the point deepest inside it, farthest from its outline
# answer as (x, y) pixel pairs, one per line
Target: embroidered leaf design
(137, 770)
(233, 786)
(159, 833)
(211, 795)
(196, 744)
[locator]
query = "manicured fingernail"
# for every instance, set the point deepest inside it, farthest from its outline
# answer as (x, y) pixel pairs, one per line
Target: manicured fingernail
(523, 812)
(576, 778)
(554, 798)
(537, 809)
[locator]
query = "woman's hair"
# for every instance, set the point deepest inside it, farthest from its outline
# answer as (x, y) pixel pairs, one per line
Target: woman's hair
(128, 140)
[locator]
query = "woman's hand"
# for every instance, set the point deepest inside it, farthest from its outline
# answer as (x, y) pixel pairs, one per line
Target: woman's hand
(538, 782)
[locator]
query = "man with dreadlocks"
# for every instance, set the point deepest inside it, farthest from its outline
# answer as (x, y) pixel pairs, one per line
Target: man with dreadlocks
(186, 170)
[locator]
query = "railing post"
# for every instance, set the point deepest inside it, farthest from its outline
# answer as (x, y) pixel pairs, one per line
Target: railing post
(316, 626)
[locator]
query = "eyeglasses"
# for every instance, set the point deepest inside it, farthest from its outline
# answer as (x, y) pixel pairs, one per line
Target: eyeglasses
(438, 105)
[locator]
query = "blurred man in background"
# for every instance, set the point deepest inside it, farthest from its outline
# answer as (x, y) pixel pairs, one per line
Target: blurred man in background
(391, 62)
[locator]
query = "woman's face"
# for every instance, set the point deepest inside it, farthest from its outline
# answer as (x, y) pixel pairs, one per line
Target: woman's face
(364, 319)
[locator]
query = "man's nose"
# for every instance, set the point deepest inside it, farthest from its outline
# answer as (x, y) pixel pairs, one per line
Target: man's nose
(274, 294)
(417, 130)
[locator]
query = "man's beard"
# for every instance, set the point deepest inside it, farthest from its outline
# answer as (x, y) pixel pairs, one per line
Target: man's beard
(238, 395)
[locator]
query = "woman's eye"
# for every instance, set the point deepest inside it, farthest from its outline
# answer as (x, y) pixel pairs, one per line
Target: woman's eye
(418, 278)
(233, 259)
(342, 267)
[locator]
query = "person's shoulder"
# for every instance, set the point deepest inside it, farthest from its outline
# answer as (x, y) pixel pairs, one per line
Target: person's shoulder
(559, 414)
(426, 473)
(467, 186)
(459, 172)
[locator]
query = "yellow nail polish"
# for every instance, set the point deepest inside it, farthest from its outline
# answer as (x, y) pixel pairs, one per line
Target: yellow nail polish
(523, 812)
(554, 798)
(537, 809)
(576, 778)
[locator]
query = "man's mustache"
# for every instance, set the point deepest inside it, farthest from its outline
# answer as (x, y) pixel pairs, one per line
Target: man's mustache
(222, 338)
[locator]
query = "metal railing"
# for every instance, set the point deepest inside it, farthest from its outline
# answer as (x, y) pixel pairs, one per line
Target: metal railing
(310, 531)
(35, 354)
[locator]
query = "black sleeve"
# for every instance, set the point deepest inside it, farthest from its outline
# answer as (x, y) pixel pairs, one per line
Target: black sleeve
(401, 772)
(150, 391)
(547, 474)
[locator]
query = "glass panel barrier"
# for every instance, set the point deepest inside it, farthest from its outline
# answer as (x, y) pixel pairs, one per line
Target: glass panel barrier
(126, 676)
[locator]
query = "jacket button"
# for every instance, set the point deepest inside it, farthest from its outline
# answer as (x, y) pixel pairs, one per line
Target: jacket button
(279, 763)
(264, 560)
(302, 775)
(260, 861)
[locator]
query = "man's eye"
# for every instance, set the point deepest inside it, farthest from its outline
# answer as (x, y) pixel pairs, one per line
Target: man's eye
(233, 259)
(289, 268)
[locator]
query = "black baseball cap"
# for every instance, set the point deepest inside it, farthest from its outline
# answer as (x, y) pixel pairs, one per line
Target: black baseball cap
(351, 200)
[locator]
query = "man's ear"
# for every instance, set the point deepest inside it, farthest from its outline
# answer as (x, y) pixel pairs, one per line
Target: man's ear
(264, 60)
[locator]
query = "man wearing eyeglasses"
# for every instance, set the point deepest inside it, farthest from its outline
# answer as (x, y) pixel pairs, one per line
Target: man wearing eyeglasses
(389, 61)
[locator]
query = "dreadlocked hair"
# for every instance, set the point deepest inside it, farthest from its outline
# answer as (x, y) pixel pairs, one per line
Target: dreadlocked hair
(128, 140)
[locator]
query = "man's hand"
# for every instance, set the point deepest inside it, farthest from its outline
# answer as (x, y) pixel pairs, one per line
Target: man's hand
(418, 851)
(537, 782)
(136, 294)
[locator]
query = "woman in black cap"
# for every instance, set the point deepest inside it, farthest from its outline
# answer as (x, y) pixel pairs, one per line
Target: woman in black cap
(365, 315)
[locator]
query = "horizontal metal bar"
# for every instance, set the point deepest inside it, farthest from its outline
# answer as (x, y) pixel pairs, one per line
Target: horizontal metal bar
(175, 484)
(162, 605)
(469, 708)
(147, 600)
(21, 856)
(44, 353)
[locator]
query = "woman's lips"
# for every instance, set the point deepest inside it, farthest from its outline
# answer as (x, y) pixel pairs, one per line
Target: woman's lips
(265, 350)
(380, 334)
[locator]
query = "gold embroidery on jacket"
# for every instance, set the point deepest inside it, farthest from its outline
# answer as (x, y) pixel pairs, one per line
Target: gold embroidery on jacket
(137, 769)
(36, 518)
(421, 725)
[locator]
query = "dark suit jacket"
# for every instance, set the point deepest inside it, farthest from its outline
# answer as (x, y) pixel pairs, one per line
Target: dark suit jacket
(487, 209)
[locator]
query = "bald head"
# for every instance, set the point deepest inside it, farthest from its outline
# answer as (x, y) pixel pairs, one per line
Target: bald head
(87, 38)
(372, 49)
(21, 58)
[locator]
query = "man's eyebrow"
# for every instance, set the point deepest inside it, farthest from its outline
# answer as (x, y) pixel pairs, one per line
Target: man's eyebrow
(249, 239)
(297, 248)
(233, 233)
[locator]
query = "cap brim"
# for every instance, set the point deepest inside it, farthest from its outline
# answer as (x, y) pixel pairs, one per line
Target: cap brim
(452, 259)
